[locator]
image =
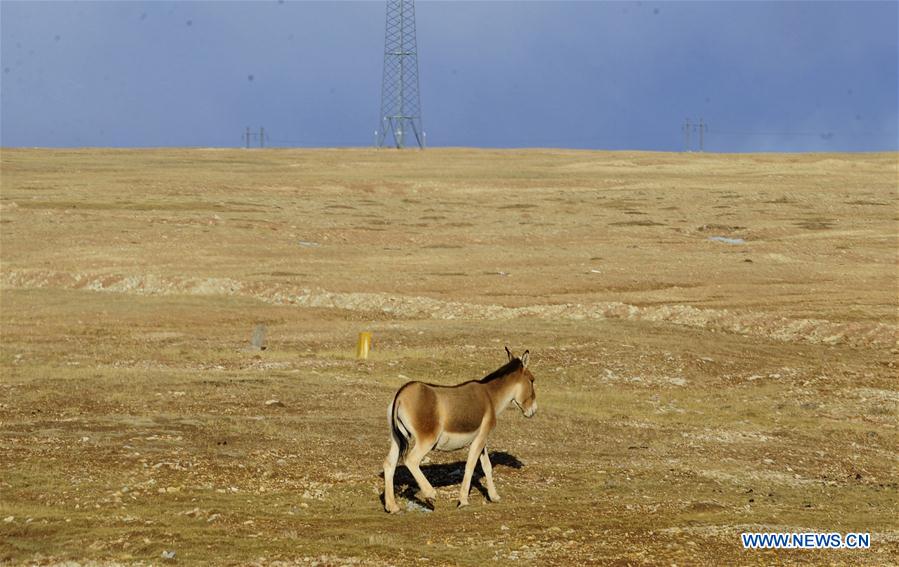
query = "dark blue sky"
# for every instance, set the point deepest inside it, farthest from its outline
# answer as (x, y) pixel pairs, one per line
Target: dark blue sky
(805, 76)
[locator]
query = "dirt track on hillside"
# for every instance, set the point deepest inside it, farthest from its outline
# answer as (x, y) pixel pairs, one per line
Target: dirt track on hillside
(761, 325)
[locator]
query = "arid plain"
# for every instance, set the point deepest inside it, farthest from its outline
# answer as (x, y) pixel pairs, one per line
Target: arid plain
(713, 339)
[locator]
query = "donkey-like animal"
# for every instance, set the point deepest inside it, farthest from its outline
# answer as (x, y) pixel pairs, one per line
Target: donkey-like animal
(447, 418)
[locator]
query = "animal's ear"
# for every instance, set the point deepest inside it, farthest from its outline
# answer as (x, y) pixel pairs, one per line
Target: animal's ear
(524, 358)
(511, 356)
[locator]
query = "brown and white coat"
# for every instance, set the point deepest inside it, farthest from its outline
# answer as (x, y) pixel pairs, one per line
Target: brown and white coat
(447, 418)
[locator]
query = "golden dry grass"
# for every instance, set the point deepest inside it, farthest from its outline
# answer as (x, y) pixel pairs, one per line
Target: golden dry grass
(689, 389)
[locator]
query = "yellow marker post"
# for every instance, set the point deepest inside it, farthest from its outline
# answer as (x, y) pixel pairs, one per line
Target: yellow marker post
(363, 346)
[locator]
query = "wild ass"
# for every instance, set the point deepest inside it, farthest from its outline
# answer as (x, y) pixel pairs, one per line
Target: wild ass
(447, 418)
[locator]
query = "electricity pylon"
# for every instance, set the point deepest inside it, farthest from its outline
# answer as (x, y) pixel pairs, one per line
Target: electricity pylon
(400, 101)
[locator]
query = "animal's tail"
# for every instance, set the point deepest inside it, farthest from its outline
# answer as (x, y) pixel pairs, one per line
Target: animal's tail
(396, 429)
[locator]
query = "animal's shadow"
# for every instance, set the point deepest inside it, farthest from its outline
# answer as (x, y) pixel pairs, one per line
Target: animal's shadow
(447, 474)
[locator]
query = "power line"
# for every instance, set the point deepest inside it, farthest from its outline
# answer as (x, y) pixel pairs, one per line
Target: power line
(826, 133)
(765, 133)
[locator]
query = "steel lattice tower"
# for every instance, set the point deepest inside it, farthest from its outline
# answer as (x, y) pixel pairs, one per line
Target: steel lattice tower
(400, 102)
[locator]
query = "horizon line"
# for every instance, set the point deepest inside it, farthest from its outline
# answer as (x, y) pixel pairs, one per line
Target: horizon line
(439, 148)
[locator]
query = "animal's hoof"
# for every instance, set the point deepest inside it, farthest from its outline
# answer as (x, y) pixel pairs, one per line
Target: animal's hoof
(494, 497)
(431, 501)
(392, 508)
(462, 503)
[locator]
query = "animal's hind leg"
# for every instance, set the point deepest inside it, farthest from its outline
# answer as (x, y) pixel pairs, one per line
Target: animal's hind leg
(413, 459)
(389, 467)
(488, 474)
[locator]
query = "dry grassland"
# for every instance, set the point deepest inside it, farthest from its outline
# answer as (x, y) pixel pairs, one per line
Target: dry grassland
(690, 389)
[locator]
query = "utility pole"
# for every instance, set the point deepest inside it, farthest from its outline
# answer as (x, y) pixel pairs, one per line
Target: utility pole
(702, 130)
(686, 128)
(248, 136)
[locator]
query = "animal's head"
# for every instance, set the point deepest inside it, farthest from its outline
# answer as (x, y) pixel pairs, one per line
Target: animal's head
(524, 395)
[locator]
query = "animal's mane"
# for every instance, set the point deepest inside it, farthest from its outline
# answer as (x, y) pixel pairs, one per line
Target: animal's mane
(507, 368)
(503, 370)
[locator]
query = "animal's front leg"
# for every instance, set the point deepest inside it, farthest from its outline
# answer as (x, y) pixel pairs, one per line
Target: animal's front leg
(488, 474)
(476, 447)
